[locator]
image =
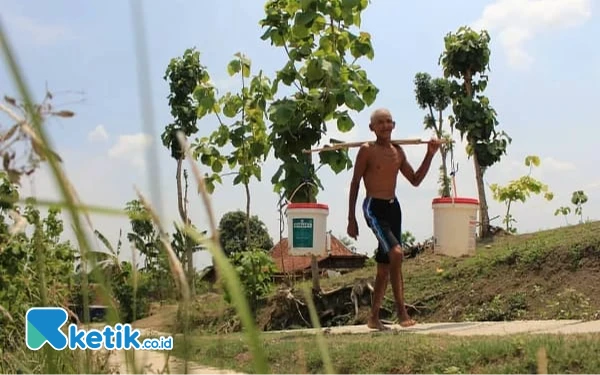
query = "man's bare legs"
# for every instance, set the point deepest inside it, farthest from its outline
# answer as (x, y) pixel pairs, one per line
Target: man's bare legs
(397, 280)
(381, 281)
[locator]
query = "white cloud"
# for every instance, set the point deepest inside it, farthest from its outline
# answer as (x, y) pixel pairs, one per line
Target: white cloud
(557, 165)
(40, 33)
(99, 134)
(519, 21)
(131, 148)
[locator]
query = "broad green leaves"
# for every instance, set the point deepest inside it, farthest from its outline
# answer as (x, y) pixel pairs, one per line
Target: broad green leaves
(466, 56)
(317, 41)
(318, 38)
(247, 134)
(33, 260)
(344, 122)
(520, 190)
(579, 199)
(466, 53)
(256, 269)
(184, 75)
(338, 160)
(434, 96)
(241, 63)
(532, 160)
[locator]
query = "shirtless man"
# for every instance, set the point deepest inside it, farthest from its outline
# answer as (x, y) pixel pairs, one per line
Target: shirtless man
(378, 164)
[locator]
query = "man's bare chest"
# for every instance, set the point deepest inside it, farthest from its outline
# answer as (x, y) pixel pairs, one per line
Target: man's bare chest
(385, 161)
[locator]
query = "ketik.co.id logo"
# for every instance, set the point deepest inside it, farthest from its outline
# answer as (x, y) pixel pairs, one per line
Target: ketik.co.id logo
(43, 325)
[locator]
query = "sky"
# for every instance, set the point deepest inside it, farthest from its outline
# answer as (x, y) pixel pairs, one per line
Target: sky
(543, 79)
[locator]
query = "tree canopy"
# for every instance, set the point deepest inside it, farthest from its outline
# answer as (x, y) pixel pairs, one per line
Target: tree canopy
(232, 233)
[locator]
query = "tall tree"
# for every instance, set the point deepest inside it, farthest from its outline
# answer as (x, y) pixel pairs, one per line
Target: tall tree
(247, 134)
(143, 235)
(434, 95)
(318, 42)
(233, 238)
(183, 75)
(146, 238)
(466, 57)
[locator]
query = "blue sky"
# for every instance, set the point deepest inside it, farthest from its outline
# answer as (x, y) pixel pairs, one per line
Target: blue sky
(545, 70)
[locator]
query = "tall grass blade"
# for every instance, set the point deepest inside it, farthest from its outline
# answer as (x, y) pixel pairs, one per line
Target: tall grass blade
(224, 267)
(178, 274)
(314, 318)
(146, 108)
(42, 142)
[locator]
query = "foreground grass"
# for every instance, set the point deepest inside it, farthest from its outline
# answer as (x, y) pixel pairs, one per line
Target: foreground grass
(405, 353)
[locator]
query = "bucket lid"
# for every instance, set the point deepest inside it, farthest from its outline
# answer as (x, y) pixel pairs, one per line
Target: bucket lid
(455, 200)
(320, 206)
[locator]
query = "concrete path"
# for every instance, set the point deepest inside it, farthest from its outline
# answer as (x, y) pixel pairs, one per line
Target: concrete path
(472, 328)
(153, 362)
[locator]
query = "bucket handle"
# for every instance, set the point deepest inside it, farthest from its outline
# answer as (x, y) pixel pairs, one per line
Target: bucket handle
(288, 201)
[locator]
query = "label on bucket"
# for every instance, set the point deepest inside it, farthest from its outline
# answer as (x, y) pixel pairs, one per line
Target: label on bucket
(302, 232)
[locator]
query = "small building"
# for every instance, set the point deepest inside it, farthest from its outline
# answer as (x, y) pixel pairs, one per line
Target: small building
(338, 258)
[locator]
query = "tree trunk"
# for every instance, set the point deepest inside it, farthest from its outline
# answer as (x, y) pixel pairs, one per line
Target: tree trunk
(484, 218)
(444, 153)
(180, 206)
(183, 214)
(314, 268)
(247, 188)
(445, 181)
(508, 216)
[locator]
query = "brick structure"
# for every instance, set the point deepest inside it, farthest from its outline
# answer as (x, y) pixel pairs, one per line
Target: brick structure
(338, 258)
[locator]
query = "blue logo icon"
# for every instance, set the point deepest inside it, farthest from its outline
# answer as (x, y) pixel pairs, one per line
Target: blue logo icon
(42, 325)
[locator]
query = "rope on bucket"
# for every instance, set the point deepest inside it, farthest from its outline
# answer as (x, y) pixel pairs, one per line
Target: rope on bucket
(306, 181)
(454, 170)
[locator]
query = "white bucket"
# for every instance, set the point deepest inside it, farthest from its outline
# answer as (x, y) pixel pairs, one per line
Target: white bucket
(307, 228)
(455, 225)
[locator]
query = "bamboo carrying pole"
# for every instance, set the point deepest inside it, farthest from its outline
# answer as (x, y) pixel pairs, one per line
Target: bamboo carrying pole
(338, 146)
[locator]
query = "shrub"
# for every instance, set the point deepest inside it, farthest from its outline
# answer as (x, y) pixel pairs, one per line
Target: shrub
(255, 269)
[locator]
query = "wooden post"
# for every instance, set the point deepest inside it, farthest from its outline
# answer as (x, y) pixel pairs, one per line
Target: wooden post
(314, 267)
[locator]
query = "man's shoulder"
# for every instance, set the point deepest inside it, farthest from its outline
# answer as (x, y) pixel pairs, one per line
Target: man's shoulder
(366, 146)
(399, 148)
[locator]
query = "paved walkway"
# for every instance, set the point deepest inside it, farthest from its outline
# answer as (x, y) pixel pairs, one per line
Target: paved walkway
(154, 361)
(474, 328)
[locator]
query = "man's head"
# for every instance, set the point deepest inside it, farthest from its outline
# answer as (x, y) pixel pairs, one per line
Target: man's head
(382, 123)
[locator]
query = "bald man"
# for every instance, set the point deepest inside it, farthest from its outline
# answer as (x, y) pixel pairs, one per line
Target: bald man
(378, 163)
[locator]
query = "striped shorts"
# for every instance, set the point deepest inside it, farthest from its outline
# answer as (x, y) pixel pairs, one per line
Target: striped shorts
(384, 217)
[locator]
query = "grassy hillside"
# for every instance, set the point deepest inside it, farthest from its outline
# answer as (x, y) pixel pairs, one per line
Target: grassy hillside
(544, 275)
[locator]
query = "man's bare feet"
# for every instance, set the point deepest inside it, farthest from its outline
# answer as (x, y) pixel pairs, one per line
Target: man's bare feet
(407, 322)
(405, 319)
(377, 324)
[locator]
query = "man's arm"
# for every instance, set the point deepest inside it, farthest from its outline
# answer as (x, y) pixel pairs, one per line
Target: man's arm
(415, 178)
(359, 169)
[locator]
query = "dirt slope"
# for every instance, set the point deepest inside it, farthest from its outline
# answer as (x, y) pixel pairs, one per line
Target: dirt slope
(545, 275)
